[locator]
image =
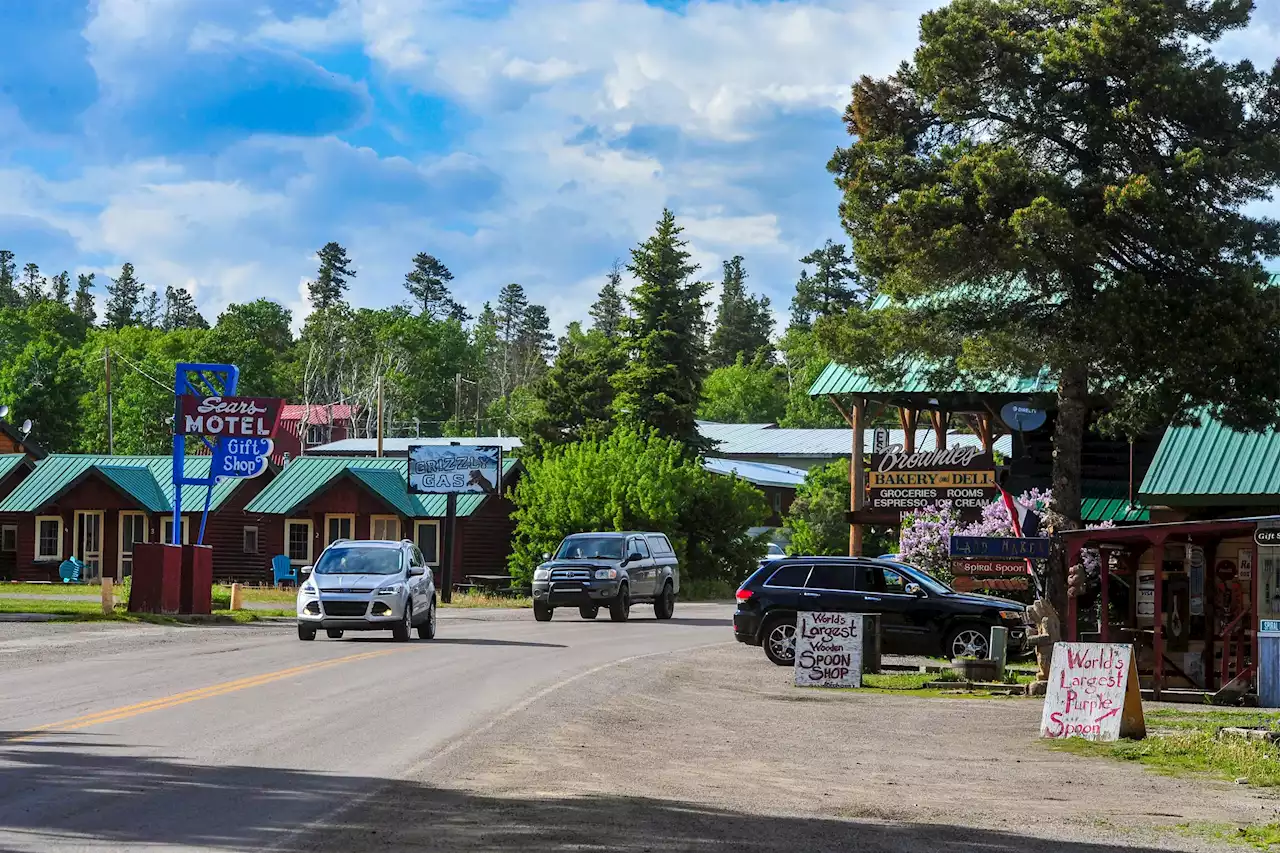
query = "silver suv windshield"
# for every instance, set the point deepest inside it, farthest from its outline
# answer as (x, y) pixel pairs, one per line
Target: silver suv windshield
(590, 548)
(359, 561)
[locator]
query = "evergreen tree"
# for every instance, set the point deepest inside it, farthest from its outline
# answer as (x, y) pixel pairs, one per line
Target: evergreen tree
(32, 290)
(180, 311)
(609, 310)
(151, 315)
(60, 286)
(330, 285)
(82, 302)
(534, 343)
(660, 386)
(744, 324)
(428, 284)
(576, 394)
(8, 279)
(123, 296)
(512, 304)
(834, 287)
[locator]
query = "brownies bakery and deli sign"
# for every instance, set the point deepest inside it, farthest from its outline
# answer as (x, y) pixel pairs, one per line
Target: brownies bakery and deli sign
(898, 480)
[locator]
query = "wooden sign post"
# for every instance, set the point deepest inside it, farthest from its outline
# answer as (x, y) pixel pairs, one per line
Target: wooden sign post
(1093, 693)
(829, 649)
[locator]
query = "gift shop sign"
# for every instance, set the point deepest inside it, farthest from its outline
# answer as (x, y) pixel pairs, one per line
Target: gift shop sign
(1093, 693)
(898, 480)
(828, 649)
(229, 417)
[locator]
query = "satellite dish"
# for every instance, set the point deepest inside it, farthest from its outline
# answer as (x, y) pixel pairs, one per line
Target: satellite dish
(4, 411)
(1022, 416)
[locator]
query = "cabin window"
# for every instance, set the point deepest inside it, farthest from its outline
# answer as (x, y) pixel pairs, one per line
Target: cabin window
(297, 539)
(777, 502)
(317, 434)
(9, 538)
(49, 537)
(166, 530)
(427, 538)
(339, 527)
(250, 545)
(385, 527)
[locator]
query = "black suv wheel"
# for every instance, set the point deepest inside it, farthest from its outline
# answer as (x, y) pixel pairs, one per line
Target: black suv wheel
(969, 640)
(780, 640)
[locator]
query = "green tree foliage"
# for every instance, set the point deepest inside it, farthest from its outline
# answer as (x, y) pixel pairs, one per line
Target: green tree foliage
(1065, 183)
(744, 323)
(329, 288)
(255, 336)
(32, 288)
(150, 316)
(8, 279)
(60, 287)
(636, 481)
(744, 393)
(82, 302)
(803, 360)
(180, 311)
(428, 284)
(817, 516)
(39, 375)
(610, 309)
(575, 397)
(834, 287)
(123, 295)
(662, 383)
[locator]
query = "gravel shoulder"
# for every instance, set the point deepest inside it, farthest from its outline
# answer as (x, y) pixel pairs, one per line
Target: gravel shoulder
(713, 749)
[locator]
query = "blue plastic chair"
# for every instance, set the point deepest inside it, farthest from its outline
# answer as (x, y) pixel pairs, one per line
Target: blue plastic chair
(283, 570)
(71, 570)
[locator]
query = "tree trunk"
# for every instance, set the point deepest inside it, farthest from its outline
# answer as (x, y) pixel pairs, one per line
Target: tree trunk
(1068, 438)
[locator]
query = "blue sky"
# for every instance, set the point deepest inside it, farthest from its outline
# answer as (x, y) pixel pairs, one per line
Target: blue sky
(217, 145)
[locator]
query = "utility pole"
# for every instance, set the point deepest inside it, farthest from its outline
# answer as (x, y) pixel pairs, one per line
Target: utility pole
(111, 437)
(379, 417)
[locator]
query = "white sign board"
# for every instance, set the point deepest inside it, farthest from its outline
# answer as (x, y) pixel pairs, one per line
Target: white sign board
(1092, 693)
(436, 469)
(828, 649)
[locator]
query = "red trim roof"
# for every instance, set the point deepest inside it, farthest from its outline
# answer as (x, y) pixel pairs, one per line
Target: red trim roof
(319, 413)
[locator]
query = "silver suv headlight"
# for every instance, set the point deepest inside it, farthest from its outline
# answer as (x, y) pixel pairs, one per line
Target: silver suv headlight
(309, 588)
(541, 574)
(606, 574)
(394, 589)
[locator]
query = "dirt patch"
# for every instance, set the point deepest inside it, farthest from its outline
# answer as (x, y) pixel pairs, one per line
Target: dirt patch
(704, 734)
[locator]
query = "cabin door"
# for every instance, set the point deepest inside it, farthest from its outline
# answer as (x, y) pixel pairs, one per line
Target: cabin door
(88, 541)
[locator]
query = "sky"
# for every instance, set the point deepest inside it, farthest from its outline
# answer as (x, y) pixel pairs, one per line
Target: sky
(217, 144)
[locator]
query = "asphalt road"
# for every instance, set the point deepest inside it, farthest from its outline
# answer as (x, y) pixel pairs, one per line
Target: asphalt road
(243, 738)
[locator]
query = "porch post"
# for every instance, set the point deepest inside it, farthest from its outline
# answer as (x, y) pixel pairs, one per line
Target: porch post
(908, 416)
(1104, 603)
(857, 422)
(1256, 607)
(1073, 557)
(1157, 641)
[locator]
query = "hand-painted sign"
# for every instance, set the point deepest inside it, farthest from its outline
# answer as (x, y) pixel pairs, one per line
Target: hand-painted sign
(440, 469)
(965, 476)
(828, 649)
(988, 567)
(1000, 548)
(1093, 693)
(238, 417)
(242, 457)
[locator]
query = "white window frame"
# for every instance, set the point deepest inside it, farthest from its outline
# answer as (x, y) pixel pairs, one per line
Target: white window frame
(167, 531)
(78, 518)
(257, 541)
(8, 530)
(418, 525)
(128, 555)
(349, 516)
(373, 525)
(311, 533)
(50, 558)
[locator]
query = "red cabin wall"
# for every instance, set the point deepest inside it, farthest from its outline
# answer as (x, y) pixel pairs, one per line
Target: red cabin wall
(485, 537)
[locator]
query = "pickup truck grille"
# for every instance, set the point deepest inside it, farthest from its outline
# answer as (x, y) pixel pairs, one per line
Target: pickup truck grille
(570, 574)
(345, 608)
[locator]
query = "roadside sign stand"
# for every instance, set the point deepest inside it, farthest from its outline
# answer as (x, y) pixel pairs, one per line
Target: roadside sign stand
(450, 529)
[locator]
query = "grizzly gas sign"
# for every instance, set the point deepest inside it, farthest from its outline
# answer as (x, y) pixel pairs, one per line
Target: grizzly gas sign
(898, 480)
(229, 417)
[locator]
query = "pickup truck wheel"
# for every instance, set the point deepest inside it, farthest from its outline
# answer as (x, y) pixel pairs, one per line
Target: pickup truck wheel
(967, 641)
(400, 633)
(542, 612)
(333, 633)
(306, 633)
(664, 606)
(780, 641)
(427, 630)
(620, 607)
(589, 612)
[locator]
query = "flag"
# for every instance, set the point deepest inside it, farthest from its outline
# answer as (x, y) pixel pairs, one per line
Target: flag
(1022, 519)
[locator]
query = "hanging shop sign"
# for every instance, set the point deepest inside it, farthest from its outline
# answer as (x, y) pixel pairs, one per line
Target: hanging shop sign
(981, 568)
(898, 480)
(880, 440)
(1267, 537)
(1000, 548)
(229, 417)
(436, 469)
(243, 458)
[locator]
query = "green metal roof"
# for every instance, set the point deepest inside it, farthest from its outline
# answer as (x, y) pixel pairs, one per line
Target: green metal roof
(1209, 463)
(1109, 501)
(306, 476)
(9, 462)
(838, 379)
(58, 471)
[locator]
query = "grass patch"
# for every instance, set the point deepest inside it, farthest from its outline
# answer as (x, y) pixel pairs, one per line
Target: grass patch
(49, 589)
(91, 611)
(1180, 743)
(474, 599)
(912, 684)
(265, 594)
(1260, 836)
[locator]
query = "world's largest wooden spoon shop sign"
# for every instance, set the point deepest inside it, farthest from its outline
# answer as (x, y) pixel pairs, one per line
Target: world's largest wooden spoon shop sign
(1093, 693)
(965, 476)
(828, 649)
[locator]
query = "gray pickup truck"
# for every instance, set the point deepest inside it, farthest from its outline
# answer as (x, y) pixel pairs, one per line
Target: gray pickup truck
(613, 570)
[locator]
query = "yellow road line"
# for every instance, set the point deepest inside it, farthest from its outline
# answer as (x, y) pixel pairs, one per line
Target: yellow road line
(128, 711)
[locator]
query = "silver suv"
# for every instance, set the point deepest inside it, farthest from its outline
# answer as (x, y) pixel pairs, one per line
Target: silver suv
(613, 570)
(368, 586)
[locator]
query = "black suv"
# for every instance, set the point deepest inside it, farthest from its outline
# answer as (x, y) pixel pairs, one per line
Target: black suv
(919, 615)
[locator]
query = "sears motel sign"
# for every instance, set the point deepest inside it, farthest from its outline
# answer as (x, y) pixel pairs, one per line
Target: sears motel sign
(229, 417)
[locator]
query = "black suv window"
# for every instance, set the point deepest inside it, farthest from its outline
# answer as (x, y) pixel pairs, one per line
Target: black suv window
(894, 583)
(640, 547)
(838, 576)
(790, 575)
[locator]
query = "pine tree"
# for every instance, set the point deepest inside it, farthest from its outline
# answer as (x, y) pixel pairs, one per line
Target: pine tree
(744, 324)
(330, 285)
(151, 315)
(834, 287)
(180, 311)
(660, 386)
(123, 295)
(576, 394)
(512, 304)
(8, 279)
(32, 290)
(60, 285)
(609, 310)
(82, 302)
(428, 284)
(534, 343)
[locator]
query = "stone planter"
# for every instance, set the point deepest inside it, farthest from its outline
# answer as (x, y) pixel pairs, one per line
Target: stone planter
(977, 670)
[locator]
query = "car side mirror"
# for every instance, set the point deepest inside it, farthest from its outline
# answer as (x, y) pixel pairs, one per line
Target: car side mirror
(633, 557)
(303, 571)
(914, 589)
(416, 571)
